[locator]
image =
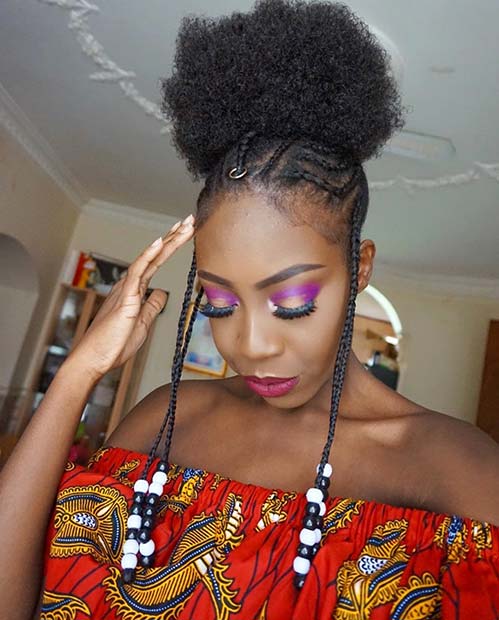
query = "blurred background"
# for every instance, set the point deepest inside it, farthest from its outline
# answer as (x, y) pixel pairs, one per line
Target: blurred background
(88, 177)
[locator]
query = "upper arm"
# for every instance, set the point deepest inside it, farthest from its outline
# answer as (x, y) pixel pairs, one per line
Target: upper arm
(467, 461)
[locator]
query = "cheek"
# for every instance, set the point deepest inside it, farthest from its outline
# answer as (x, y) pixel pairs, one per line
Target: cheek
(223, 338)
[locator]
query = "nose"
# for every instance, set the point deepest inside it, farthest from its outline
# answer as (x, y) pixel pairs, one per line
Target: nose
(259, 338)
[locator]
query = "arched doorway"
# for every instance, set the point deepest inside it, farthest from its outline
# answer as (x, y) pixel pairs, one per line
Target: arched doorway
(377, 336)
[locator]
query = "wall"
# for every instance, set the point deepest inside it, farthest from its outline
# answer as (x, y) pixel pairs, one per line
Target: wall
(443, 347)
(38, 214)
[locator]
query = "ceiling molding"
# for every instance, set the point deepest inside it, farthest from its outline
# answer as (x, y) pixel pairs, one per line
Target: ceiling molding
(18, 125)
(436, 284)
(158, 222)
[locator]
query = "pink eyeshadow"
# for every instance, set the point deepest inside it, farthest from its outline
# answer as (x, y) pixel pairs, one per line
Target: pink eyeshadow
(307, 291)
(220, 295)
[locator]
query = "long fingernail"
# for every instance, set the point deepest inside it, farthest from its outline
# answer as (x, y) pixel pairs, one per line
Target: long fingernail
(158, 241)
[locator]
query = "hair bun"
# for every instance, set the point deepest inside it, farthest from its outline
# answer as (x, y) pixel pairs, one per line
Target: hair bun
(288, 68)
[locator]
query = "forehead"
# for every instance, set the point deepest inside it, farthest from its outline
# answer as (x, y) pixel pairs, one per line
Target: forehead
(246, 239)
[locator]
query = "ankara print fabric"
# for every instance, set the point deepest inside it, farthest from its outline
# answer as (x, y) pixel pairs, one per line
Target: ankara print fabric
(225, 550)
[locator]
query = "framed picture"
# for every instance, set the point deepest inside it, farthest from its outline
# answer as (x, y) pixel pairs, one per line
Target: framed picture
(202, 354)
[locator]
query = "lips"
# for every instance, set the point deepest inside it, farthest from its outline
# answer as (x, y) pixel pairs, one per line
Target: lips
(270, 387)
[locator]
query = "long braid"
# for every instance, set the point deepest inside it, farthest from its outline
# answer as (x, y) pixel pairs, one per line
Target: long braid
(347, 332)
(178, 375)
(176, 363)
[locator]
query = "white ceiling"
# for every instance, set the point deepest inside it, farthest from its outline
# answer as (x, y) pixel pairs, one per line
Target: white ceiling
(114, 150)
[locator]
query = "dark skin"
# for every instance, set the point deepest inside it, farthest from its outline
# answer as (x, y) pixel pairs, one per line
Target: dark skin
(386, 448)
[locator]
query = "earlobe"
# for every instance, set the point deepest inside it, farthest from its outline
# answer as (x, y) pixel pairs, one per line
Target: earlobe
(366, 263)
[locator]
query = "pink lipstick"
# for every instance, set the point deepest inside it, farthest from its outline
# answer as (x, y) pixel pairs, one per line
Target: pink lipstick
(269, 387)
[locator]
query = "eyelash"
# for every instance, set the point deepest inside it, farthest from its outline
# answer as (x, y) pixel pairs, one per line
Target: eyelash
(306, 309)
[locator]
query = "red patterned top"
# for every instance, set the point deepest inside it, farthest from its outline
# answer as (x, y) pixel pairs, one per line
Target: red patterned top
(225, 550)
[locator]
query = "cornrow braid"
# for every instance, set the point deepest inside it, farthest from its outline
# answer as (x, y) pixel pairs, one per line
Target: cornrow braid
(239, 170)
(347, 332)
(323, 160)
(276, 156)
(338, 191)
(147, 494)
(313, 520)
(176, 362)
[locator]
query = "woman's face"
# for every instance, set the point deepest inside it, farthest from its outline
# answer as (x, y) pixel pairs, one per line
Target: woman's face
(240, 250)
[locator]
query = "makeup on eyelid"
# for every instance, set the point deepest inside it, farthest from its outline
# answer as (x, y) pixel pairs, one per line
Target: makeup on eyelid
(217, 294)
(307, 291)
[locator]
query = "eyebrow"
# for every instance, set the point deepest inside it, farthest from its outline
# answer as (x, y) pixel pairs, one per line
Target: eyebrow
(289, 272)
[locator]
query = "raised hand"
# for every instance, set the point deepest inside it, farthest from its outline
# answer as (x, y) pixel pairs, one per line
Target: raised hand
(121, 325)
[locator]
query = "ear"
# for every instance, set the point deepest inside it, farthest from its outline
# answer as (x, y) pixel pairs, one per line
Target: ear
(367, 254)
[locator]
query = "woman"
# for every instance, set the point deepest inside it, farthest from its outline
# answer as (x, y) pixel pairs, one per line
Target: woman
(228, 515)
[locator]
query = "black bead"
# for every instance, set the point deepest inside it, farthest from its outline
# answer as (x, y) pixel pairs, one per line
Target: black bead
(138, 498)
(152, 499)
(147, 561)
(322, 483)
(305, 551)
(149, 511)
(310, 522)
(136, 509)
(144, 535)
(128, 575)
(299, 581)
(312, 509)
(162, 466)
(315, 548)
(132, 534)
(147, 523)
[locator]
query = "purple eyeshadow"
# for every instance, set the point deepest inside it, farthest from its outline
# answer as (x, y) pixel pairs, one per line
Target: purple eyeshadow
(220, 295)
(307, 291)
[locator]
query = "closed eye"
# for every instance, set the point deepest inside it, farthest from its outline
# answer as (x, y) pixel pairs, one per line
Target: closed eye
(215, 312)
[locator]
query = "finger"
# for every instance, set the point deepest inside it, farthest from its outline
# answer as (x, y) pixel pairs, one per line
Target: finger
(152, 307)
(140, 264)
(169, 247)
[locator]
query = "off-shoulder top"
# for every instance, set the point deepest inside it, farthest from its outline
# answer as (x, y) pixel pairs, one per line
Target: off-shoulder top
(225, 550)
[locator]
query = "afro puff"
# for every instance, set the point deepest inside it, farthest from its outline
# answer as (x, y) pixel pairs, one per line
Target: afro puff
(289, 69)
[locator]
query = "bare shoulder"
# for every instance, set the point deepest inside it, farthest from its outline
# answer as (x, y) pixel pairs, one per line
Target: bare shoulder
(463, 463)
(141, 425)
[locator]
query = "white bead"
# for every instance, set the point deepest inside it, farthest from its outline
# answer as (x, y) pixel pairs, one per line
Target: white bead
(129, 560)
(314, 495)
(131, 546)
(307, 537)
(159, 477)
(147, 548)
(301, 565)
(322, 509)
(134, 522)
(141, 486)
(318, 535)
(156, 488)
(328, 470)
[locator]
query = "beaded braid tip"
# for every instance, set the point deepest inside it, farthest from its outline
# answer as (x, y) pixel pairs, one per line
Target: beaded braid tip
(311, 532)
(138, 546)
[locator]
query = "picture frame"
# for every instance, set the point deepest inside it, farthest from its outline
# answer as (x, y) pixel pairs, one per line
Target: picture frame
(202, 355)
